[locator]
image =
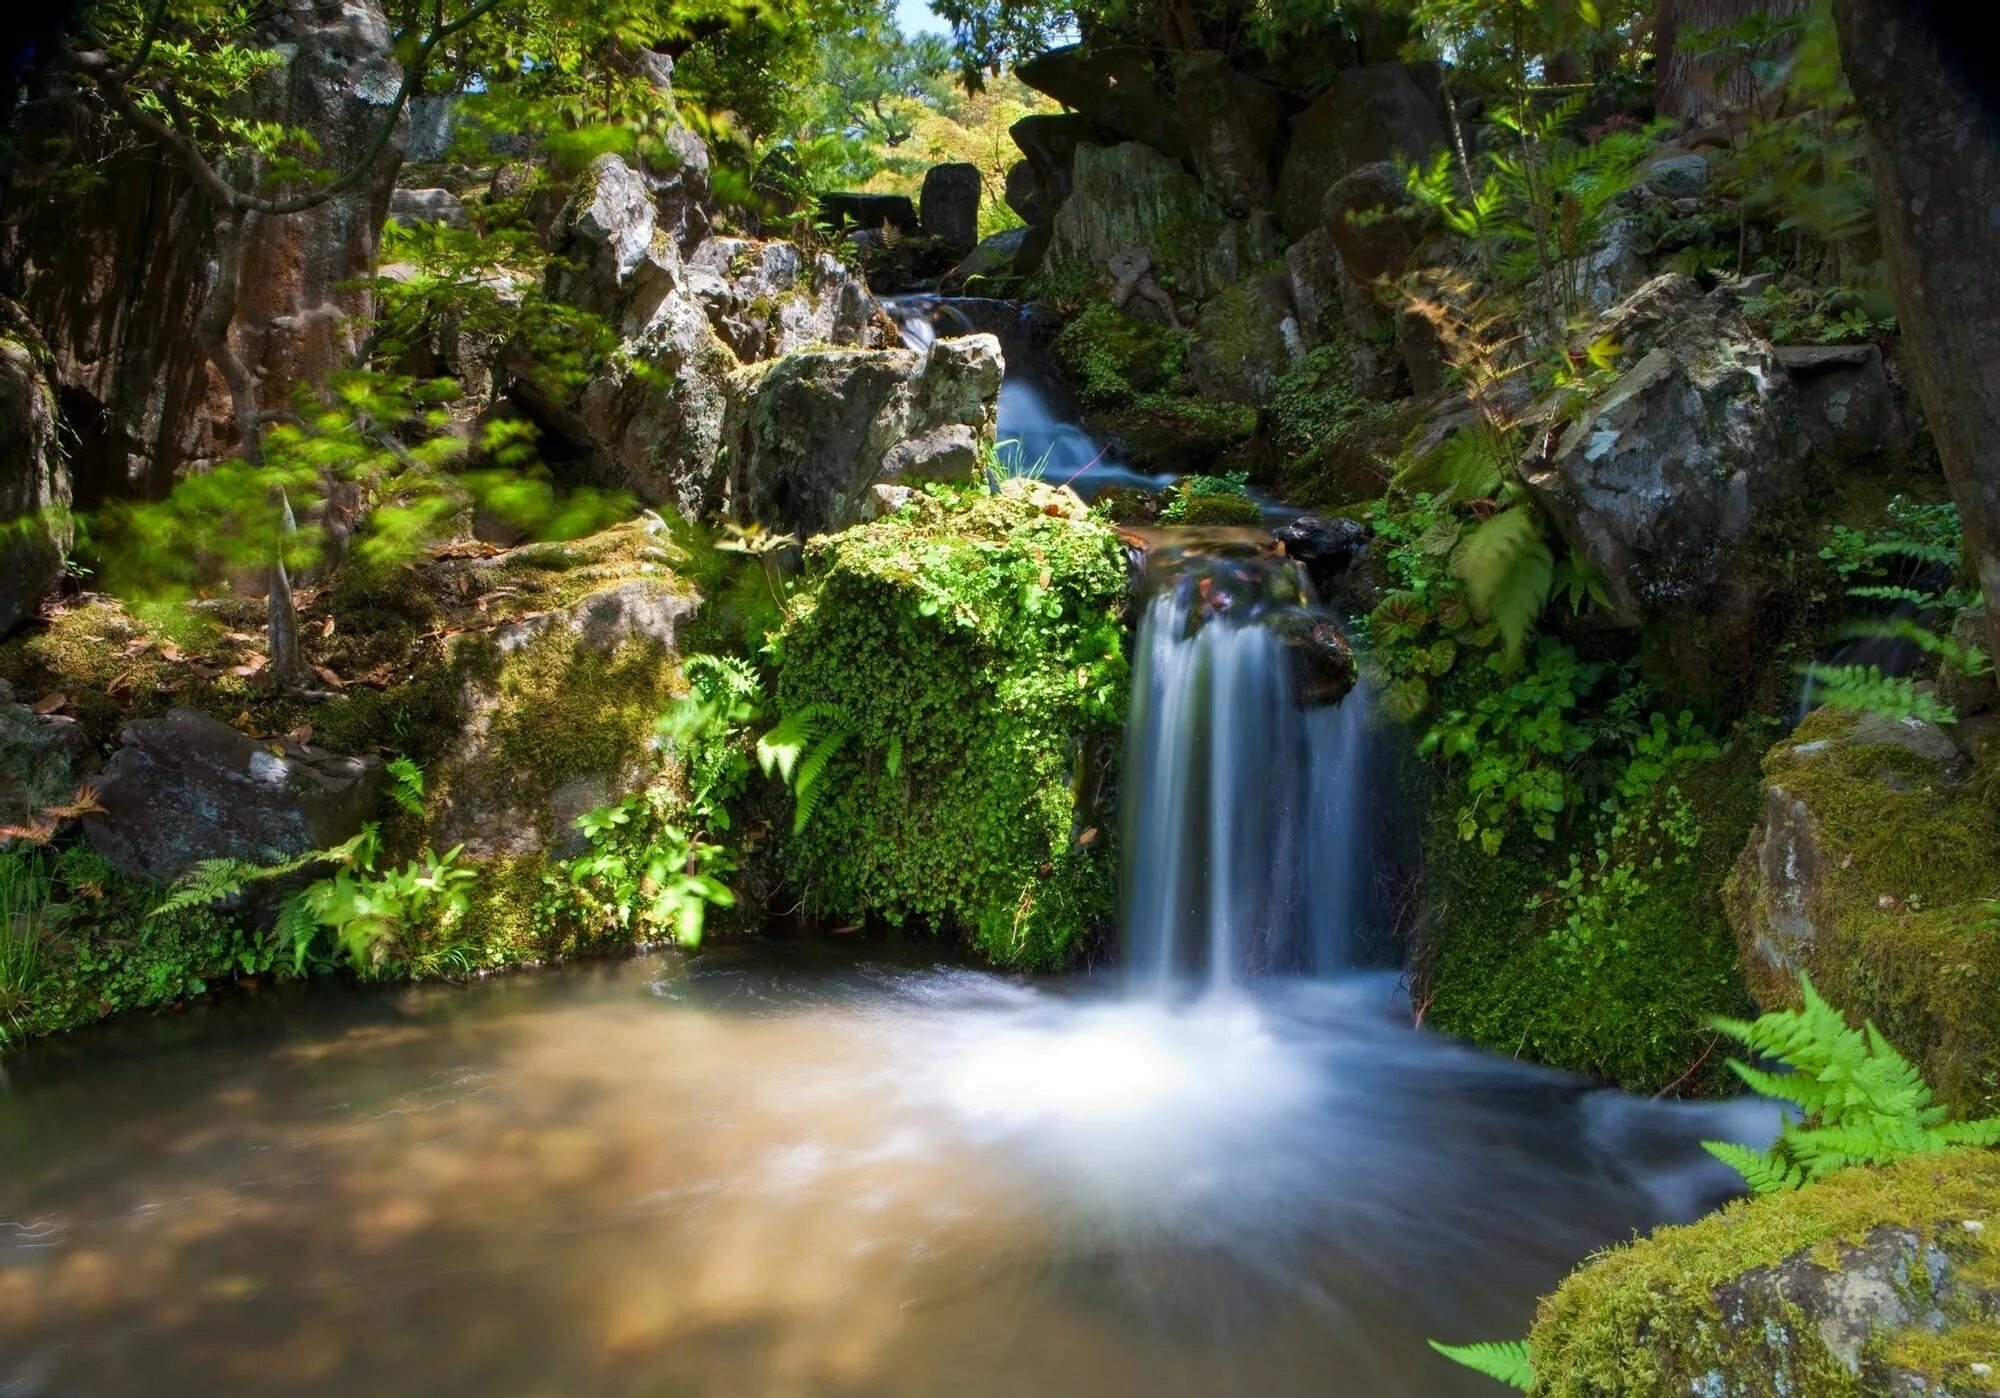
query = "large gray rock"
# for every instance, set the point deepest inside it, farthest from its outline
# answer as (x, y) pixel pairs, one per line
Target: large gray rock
(415, 207)
(1234, 126)
(1131, 198)
(1245, 338)
(1663, 482)
(1372, 113)
(1116, 88)
(1373, 221)
(810, 434)
(948, 207)
(35, 526)
(188, 787)
(610, 254)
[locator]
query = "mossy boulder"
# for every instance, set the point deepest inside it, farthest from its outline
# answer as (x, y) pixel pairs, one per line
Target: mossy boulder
(1131, 378)
(972, 650)
(1129, 198)
(1872, 1281)
(1873, 869)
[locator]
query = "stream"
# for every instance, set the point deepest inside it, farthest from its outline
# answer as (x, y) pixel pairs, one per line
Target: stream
(809, 1164)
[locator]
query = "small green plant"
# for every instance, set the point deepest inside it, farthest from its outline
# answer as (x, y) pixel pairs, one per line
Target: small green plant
(406, 784)
(25, 893)
(645, 873)
(1507, 1361)
(1860, 1101)
(798, 750)
(403, 916)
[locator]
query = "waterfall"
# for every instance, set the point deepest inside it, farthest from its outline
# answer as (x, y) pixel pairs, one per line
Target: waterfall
(1245, 803)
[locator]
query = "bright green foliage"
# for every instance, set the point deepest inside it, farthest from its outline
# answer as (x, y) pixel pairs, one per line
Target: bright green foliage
(212, 881)
(1112, 357)
(406, 784)
(24, 906)
(645, 875)
(799, 750)
(974, 648)
(1861, 1102)
(405, 919)
(1507, 569)
(1504, 1360)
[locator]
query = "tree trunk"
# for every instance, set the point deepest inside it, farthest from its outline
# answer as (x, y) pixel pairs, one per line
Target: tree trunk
(1686, 86)
(1935, 155)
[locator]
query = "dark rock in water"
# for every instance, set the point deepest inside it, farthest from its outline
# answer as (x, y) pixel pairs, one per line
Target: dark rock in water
(188, 787)
(997, 256)
(34, 474)
(1845, 402)
(1323, 545)
(870, 211)
(1368, 114)
(1234, 127)
(949, 205)
(1115, 88)
(1322, 661)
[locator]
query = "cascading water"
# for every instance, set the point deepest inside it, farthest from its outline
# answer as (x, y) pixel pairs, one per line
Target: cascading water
(1245, 790)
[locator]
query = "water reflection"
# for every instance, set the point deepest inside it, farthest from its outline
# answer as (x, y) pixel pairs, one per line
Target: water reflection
(773, 1169)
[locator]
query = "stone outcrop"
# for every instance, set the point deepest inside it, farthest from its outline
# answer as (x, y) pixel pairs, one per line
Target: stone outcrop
(1116, 89)
(1373, 221)
(1131, 197)
(1234, 127)
(187, 787)
(1870, 870)
(1367, 114)
(1040, 181)
(1664, 482)
(1845, 402)
(1875, 1281)
(810, 433)
(35, 526)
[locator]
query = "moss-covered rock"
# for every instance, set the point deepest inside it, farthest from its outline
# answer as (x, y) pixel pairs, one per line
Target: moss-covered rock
(1330, 445)
(1872, 1281)
(1131, 378)
(1874, 869)
(972, 649)
(1632, 1005)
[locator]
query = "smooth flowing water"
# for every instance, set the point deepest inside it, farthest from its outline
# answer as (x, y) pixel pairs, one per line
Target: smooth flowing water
(800, 1167)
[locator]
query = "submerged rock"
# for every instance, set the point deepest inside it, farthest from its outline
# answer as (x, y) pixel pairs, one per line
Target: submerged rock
(187, 787)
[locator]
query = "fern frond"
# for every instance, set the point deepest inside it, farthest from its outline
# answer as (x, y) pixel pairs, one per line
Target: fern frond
(1506, 1361)
(1507, 570)
(1763, 1172)
(779, 751)
(807, 790)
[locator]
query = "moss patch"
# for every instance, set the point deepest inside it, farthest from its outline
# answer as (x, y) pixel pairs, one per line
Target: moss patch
(1904, 866)
(1329, 446)
(1667, 1314)
(974, 647)
(1636, 1016)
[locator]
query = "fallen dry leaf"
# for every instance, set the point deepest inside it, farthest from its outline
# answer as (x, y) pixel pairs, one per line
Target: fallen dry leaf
(336, 681)
(1087, 836)
(204, 672)
(170, 651)
(302, 734)
(49, 703)
(326, 627)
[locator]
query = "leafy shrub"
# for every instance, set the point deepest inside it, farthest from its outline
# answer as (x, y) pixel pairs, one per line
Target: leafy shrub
(972, 651)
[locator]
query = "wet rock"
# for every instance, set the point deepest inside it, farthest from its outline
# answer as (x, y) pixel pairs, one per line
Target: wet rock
(1367, 114)
(1846, 404)
(415, 207)
(1131, 197)
(34, 474)
(845, 211)
(1234, 127)
(1128, 504)
(1664, 482)
(1322, 660)
(187, 787)
(949, 205)
(1327, 547)
(1114, 88)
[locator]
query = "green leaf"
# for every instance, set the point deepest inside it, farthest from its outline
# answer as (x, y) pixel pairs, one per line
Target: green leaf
(1506, 1361)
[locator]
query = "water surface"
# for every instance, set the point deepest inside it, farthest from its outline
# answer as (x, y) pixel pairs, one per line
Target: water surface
(800, 1167)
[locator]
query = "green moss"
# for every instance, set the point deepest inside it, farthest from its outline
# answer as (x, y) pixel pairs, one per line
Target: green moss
(1638, 1014)
(1220, 509)
(1329, 446)
(1113, 358)
(975, 646)
(1899, 900)
(1667, 1314)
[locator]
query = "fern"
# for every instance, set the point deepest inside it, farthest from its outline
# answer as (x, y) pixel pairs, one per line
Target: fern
(1860, 1101)
(798, 750)
(1507, 570)
(213, 880)
(406, 784)
(1507, 1361)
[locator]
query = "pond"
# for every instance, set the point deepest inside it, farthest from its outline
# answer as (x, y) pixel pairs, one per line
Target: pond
(802, 1165)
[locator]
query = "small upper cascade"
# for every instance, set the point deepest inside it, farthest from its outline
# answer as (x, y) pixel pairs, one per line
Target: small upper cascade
(1246, 778)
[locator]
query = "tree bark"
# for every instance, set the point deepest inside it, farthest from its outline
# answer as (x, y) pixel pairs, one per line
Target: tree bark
(1686, 86)
(1934, 152)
